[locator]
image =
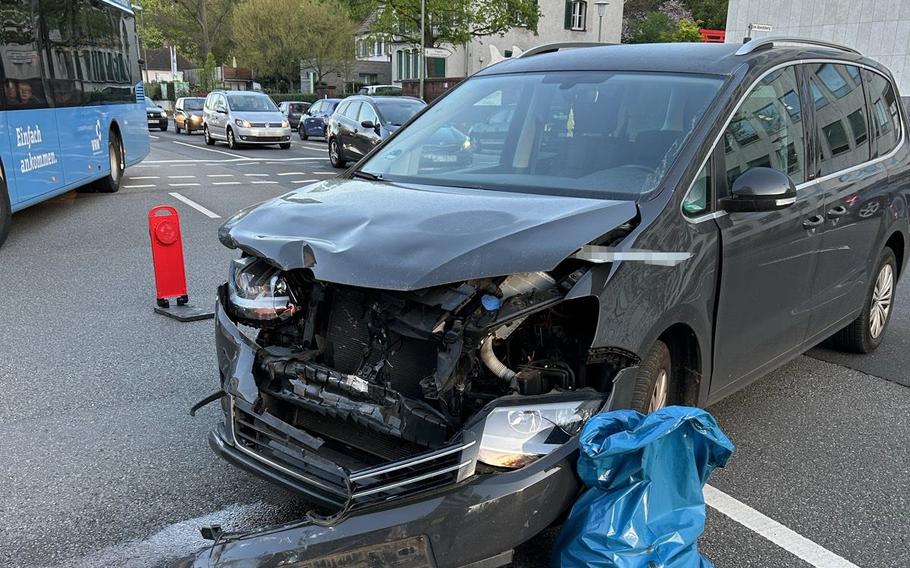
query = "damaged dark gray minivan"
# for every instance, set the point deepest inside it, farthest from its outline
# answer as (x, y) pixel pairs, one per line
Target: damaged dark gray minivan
(414, 345)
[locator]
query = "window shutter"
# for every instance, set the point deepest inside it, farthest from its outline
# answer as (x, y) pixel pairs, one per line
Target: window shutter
(568, 23)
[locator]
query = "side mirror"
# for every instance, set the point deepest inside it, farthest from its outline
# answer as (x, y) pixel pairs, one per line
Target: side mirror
(760, 189)
(368, 124)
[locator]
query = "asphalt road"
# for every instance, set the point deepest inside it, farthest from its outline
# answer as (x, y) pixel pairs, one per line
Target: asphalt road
(101, 465)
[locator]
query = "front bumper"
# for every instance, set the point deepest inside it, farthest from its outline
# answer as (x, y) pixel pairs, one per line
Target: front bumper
(262, 135)
(156, 121)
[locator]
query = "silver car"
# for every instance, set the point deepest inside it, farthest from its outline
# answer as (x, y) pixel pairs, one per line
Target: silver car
(244, 117)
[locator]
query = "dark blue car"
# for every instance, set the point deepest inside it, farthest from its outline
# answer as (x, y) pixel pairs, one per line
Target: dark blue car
(316, 118)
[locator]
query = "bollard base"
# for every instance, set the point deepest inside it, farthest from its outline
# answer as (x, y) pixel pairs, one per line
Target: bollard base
(185, 312)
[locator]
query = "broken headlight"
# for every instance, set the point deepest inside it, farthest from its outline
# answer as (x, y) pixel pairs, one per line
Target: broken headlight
(514, 436)
(258, 291)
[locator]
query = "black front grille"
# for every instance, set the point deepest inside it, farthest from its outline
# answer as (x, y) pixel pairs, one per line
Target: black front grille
(327, 461)
(266, 138)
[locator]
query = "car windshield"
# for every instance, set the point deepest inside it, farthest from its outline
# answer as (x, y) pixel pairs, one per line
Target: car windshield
(251, 103)
(587, 133)
(193, 104)
(150, 105)
(396, 113)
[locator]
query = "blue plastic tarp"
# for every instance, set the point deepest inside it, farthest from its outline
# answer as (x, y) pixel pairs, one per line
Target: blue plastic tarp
(644, 506)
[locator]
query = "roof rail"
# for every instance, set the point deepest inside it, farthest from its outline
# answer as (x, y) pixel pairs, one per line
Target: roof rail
(769, 41)
(551, 47)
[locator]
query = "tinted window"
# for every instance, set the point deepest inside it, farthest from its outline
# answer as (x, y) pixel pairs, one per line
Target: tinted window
(341, 108)
(251, 102)
(593, 133)
(352, 110)
(192, 104)
(767, 130)
(843, 140)
(886, 124)
(397, 113)
(697, 201)
(22, 59)
(107, 51)
(367, 113)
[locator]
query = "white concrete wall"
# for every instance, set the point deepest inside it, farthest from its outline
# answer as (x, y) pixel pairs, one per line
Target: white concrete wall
(880, 29)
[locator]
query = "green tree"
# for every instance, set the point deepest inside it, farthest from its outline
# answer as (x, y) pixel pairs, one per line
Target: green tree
(671, 22)
(195, 27)
(275, 36)
(710, 14)
(454, 21)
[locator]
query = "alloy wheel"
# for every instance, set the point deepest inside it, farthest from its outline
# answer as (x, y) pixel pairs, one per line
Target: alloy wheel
(333, 152)
(659, 394)
(881, 300)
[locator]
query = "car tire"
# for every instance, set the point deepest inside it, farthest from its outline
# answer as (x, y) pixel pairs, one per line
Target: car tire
(176, 127)
(231, 140)
(653, 384)
(335, 155)
(6, 210)
(111, 182)
(302, 131)
(285, 146)
(865, 333)
(164, 128)
(209, 141)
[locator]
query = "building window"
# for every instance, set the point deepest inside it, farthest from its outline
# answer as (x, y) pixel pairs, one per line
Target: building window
(579, 15)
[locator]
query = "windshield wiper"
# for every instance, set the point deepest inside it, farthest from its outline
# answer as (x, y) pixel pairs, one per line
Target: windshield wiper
(366, 175)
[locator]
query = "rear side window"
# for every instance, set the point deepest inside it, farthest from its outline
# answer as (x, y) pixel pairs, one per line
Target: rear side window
(367, 113)
(767, 130)
(886, 125)
(842, 119)
(352, 110)
(342, 107)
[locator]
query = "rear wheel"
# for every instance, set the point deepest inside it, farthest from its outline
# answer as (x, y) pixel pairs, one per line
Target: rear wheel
(654, 381)
(232, 142)
(866, 332)
(111, 182)
(335, 155)
(6, 211)
(209, 141)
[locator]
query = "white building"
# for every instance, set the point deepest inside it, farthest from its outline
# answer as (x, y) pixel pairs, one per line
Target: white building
(560, 21)
(880, 29)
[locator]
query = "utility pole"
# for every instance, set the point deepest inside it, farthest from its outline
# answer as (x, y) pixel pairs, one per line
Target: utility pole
(423, 43)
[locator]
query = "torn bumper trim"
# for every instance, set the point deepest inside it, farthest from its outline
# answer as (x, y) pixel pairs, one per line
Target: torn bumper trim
(466, 523)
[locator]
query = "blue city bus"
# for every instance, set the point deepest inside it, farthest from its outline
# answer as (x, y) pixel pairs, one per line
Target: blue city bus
(72, 108)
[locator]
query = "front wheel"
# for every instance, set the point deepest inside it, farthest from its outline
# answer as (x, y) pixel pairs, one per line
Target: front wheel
(335, 155)
(302, 131)
(6, 211)
(865, 333)
(111, 182)
(232, 142)
(653, 384)
(176, 127)
(209, 141)
(285, 146)
(164, 127)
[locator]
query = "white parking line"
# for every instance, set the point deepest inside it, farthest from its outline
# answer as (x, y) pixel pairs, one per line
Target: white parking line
(219, 175)
(208, 149)
(789, 540)
(292, 174)
(304, 181)
(183, 184)
(225, 183)
(180, 177)
(144, 177)
(256, 175)
(208, 213)
(141, 186)
(262, 182)
(323, 173)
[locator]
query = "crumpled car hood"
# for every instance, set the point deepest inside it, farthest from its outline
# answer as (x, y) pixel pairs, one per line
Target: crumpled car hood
(406, 237)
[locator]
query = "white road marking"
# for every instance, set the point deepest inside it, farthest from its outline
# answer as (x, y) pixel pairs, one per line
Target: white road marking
(144, 177)
(141, 186)
(789, 540)
(304, 181)
(208, 149)
(153, 137)
(292, 174)
(207, 212)
(219, 175)
(225, 183)
(324, 173)
(234, 161)
(183, 184)
(262, 182)
(180, 177)
(256, 175)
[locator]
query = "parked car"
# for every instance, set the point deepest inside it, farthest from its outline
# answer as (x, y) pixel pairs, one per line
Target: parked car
(389, 90)
(293, 111)
(188, 114)
(416, 347)
(360, 123)
(157, 116)
(244, 117)
(316, 119)
(489, 135)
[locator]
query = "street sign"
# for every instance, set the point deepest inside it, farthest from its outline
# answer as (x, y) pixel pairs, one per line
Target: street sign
(760, 27)
(437, 52)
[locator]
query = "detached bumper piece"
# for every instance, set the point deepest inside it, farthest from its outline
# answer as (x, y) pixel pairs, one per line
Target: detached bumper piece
(325, 461)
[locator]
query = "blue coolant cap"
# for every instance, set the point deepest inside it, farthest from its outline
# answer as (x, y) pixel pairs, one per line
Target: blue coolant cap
(490, 303)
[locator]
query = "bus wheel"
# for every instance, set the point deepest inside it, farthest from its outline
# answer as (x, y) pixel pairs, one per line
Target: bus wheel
(111, 182)
(6, 212)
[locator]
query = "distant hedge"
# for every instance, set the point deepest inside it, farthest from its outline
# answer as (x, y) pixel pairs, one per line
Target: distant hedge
(305, 97)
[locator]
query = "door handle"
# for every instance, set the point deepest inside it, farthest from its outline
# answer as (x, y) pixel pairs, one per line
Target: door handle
(836, 212)
(813, 222)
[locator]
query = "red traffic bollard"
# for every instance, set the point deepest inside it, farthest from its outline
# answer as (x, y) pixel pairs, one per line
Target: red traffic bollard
(167, 256)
